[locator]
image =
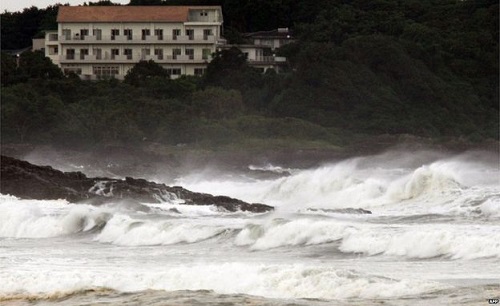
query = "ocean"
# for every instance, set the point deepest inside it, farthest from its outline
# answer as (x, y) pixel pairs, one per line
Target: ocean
(432, 238)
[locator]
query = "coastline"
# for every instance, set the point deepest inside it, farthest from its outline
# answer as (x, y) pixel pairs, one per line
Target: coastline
(146, 156)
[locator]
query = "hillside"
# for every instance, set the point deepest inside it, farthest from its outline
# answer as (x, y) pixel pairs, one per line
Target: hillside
(361, 68)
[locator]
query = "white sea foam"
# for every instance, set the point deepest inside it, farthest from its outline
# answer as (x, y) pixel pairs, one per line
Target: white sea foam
(330, 186)
(491, 207)
(426, 241)
(445, 209)
(443, 186)
(41, 219)
(181, 210)
(271, 168)
(410, 241)
(124, 230)
(278, 233)
(426, 180)
(276, 281)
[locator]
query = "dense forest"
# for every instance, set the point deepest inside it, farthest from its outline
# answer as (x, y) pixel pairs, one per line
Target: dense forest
(422, 67)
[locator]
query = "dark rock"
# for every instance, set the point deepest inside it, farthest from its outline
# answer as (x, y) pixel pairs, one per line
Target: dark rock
(25, 180)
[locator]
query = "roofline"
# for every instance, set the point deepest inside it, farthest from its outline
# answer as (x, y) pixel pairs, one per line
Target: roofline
(136, 7)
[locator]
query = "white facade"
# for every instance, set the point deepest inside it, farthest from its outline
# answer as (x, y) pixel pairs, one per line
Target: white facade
(256, 57)
(271, 39)
(97, 49)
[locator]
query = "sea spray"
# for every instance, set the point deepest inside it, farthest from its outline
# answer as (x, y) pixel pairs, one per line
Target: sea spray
(433, 231)
(274, 281)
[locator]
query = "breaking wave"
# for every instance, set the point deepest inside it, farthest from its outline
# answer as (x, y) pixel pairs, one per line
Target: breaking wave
(424, 241)
(410, 241)
(274, 281)
(43, 219)
(123, 230)
(332, 228)
(352, 184)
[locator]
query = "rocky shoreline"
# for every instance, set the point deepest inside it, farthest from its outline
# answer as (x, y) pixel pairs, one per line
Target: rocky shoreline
(25, 180)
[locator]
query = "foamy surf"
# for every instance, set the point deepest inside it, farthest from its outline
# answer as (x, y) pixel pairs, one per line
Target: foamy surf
(42, 219)
(433, 232)
(444, 186)
(123, 230)
(273, 281)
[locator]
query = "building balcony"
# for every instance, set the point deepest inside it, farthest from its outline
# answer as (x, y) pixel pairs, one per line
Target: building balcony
(207, 22)
(52, 38)
(137, 39)
(267, 60)
(129, 59)
(182, 57)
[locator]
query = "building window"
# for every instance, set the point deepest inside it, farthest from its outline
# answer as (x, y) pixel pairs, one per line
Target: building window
(199, 71)
(206, 54)
(66, 33)
(190, 53)
(267, 42)
(83, 33)
(69, 70)
(190, 34)
(128, 33)
(53, 37)
(114, 33)
(114, 53)
(128, 53)
(83, 53)
(105, 72)
(159, 53)
(97, 33)
(176, 52)
(70, 54)
(53, 50)
(206, 33)
(159, 34)
(175, 33)
(203, 13)
(174, 71)
(145, 33)
(145, 52)
(98, 53)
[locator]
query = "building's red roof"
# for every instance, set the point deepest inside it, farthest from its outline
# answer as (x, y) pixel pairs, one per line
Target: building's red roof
(126, 13)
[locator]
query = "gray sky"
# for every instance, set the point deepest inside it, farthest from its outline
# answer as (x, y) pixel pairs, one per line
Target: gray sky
(19, 5)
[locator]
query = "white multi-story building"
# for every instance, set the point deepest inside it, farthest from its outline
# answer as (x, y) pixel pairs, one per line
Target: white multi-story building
(273, 39)
(261, 48)
(107, 41)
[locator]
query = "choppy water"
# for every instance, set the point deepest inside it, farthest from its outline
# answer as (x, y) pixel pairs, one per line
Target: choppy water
(433, 238)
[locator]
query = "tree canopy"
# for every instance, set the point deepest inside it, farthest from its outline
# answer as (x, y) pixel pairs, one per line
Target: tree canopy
(422, 67)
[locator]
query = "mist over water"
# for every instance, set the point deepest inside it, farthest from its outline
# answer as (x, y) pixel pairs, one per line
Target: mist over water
(433, 233)
(391, 182)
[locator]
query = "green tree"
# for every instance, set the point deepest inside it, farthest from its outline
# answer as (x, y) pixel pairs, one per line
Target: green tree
(218, 103)
(35, 65)
(229, 69)
(143, 71)
(9, 72)
(27, 116)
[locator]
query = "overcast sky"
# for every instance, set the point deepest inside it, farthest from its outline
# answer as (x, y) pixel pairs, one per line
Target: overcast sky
(19, 5)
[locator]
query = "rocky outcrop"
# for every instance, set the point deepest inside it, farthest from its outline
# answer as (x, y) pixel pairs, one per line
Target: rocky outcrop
(25, 180)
